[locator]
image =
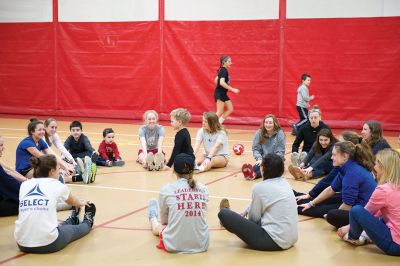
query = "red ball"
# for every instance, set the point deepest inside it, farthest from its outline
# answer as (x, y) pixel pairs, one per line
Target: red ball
(238, 149)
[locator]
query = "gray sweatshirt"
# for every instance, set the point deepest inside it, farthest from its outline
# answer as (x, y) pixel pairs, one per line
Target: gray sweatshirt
(183, 210)
(274, 144)
(303, 97)
(273, 206)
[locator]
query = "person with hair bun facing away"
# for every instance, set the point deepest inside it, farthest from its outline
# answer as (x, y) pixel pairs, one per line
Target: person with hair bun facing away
(272, 220)
(37, 229)
(182, 226)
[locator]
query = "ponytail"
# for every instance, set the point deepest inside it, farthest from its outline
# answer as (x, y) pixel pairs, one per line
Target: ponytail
(361, 153)
(191, 181)
(364, 156)
(222, 60)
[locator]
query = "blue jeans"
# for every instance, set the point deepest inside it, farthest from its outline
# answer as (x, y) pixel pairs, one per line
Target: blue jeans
(376, 229)
(257, 170)
(322, 169)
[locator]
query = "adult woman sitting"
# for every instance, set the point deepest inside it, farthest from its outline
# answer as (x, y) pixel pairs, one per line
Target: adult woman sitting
(354, 181)
(380, 218)
(272, 216)
(269, 138)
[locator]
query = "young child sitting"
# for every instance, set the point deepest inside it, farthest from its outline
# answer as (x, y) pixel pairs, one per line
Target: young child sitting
(151, 136)
(78, 145)
(108, 150)
(182, 143)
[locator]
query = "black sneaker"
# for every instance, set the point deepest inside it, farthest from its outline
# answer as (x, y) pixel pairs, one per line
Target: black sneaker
(118, 163)
(94, 156)
(90, 212)
(74, 217)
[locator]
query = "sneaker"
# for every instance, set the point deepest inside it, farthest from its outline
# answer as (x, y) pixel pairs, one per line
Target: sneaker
(74, 217)
(248, 171)
(359, 242)
(367, 239)
(150, 162)
(296, 172)
(158, 161)
(118, 163)
(93, 168)
(294, 158)
(80, 164)
(109, 164)
(90, 212)
(224, 204)
(87, 173)
(302, 157)
(94, 156)
(153, 209)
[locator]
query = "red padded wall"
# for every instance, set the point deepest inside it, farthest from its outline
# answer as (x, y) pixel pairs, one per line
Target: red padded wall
(121, 69)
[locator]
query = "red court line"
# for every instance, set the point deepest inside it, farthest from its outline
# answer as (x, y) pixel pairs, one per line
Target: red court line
(221, 178)
(307, 219)
(13, 258)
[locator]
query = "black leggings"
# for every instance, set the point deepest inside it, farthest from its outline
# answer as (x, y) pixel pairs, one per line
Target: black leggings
(8, 207)
(332, 203)
(251, 233)
(338, 218)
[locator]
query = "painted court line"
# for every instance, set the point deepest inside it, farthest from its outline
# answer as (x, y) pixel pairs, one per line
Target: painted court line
(107, 222)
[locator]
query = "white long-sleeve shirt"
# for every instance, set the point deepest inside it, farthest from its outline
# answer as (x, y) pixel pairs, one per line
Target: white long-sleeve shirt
(55, 139)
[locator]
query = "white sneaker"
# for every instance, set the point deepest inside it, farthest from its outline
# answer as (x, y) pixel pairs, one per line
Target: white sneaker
(359, 242)
(150, 162)
(158, 161)
(87, 173)
(153, 209)
(302, 157)
(294, 158)
(80, 164)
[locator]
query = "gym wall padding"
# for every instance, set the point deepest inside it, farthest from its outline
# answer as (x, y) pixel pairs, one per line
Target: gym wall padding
(118, 69)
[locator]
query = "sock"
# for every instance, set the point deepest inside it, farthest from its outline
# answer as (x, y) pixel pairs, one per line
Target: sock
(77, 178)
(221, 120)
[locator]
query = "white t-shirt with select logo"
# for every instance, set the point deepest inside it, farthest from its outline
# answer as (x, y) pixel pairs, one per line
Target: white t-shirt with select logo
(37, 219)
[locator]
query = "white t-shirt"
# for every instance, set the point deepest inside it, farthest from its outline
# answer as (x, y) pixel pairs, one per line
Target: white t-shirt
(210, 139)
(183, 210)
(37, 219)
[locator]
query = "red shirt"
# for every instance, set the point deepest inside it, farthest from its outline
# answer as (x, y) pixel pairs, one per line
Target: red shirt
(109, 150)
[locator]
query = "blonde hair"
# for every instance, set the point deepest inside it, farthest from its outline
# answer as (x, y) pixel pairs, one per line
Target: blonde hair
(389, 160)
(150, 112)
(181, 114)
